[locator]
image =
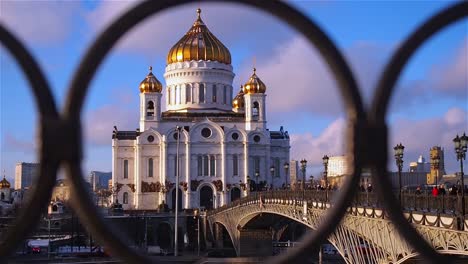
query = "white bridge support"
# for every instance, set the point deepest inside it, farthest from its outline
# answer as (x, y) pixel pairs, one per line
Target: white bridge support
(382, 244)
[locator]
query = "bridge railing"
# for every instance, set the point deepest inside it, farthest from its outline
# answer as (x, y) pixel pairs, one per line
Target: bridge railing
(448, 204)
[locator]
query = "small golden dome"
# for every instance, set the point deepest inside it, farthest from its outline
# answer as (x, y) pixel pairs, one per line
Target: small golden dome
(238, 101)
(254, 84)
(4, 183)
(150, 84)
(199, 44)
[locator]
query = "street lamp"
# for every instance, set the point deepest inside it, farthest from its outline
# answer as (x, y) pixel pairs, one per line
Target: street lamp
(325, 175)
(196, 215)
(399, 162)
(325, 172)
(272, 170)
(303, 169)
(178, 129)
(460, 148)
(286, 167)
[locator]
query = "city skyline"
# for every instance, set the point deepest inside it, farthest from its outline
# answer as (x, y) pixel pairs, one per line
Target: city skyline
(429, 108)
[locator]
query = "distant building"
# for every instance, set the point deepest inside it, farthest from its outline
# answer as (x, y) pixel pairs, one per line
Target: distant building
(25, 173)
(293, 172)
(61, 191)
(99, 179)
(337, 166)
(436, 172)
(5, 190)
(336, 170)
(420, 166)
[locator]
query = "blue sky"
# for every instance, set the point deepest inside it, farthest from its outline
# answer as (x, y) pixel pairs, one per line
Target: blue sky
(429, 108)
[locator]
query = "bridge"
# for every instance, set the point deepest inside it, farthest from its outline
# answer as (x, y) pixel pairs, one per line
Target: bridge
(365, 234)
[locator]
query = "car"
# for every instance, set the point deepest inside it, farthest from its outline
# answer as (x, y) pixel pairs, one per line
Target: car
(36, 250)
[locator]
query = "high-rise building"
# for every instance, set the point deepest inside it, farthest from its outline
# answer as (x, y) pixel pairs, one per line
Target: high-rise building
(211, 140)
(25, 174)
(293, 173)
(99, 179)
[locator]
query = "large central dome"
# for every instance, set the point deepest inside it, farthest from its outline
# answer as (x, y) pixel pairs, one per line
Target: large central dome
(199, 44)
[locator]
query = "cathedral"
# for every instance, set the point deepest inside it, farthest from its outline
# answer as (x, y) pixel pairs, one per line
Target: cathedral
(217, 144)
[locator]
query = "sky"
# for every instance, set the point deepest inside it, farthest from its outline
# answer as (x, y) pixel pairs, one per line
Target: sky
(429, 107)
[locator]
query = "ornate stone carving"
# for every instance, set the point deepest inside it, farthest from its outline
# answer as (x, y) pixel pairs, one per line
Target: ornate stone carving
(132, 186)
(184, 185)
(118, 187)
(219, 185)
(150, 186)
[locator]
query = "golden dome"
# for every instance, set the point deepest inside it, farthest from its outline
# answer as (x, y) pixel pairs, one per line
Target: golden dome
(254, 84)
(4, 183)
(199, 44)
(238, 101)
(150, 84)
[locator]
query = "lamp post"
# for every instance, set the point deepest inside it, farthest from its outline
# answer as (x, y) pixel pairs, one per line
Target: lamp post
(196, 215)
(178, 128)
(303, 169)
(325, 175)
(286, 167)
(399, 162)
(460, 149)
(272, 171)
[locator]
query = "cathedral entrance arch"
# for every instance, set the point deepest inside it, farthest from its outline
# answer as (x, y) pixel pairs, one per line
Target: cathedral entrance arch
(235, 194)
(174, 198)
(206, 197)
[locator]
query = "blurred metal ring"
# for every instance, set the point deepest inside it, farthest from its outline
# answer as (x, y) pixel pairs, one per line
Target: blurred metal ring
(99, 49)
(39, 198)
(377, 116)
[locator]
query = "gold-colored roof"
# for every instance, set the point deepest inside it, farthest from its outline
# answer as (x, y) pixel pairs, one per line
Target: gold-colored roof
(4, 183)
(254, 84)
(238, 101)
(199, 44)
(150, 84)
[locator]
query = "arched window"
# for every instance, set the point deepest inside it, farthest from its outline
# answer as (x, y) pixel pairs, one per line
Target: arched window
(200, 165)
(224, 94)
(205, 165)
(125, 197)
(277, 166)
(213, 93)
(169, 95)
(257, 166)
(212, 166)
(188, 93)
(150, 167)
(150, 109)
(235, 165)
(255, 110)
(177, 95)
(201, 93)
(125, 169)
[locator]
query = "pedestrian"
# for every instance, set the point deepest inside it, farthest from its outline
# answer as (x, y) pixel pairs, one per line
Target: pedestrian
(441, 189)
(435, 191)
(418, 190)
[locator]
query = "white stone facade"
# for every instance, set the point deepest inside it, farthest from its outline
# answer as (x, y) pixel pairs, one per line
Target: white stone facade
(219, 148)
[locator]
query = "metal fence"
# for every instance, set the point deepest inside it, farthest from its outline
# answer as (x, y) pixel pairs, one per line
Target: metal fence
(61, 133)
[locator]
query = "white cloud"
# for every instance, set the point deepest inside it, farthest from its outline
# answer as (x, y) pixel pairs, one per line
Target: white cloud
(329, 142)
(38, 22)
(451, 76)
(156, 35)
(99, 123)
